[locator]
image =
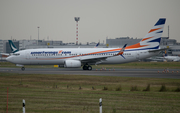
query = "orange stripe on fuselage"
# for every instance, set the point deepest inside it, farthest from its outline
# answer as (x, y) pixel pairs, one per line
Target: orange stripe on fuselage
(106, 51)
(118, 49)
(153, 30)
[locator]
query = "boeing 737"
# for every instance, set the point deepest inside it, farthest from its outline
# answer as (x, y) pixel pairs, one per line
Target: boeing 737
(85, 57)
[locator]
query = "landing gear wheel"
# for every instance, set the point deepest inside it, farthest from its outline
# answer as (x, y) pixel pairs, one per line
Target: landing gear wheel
(89, 68)
(85, 67)
(22, 68)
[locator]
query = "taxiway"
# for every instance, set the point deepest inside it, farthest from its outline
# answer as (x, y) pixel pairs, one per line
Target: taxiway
(147, 73)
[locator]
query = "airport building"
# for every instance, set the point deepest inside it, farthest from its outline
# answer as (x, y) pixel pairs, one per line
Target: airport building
(1, 46)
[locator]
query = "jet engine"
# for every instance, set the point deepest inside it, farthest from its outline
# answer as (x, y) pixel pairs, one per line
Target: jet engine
(72, 63)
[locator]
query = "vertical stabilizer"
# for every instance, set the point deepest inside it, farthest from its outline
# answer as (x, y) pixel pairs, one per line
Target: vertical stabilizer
(153, 38)
(12, 46)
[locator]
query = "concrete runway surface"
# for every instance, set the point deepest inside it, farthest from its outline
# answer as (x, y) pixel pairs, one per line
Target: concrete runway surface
(147, 73)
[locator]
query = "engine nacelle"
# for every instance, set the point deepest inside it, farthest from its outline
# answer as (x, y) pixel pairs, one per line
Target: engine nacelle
(72, 63)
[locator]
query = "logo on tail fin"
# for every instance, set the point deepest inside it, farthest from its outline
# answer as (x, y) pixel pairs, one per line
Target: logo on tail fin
(12, 46)
(153, 38)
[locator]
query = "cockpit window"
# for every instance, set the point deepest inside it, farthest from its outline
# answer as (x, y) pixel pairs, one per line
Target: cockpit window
(16, 54)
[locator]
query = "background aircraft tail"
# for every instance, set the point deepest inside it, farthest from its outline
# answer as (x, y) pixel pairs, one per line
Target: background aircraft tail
(12, 46)
(97, 45)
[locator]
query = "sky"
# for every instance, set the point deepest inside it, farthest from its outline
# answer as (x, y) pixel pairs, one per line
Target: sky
(99, 19)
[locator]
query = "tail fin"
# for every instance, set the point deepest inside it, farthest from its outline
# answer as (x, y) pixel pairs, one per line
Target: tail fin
(153, 38)
(12, 46)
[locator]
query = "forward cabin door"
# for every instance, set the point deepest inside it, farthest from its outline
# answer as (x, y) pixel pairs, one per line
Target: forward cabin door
(27, 55)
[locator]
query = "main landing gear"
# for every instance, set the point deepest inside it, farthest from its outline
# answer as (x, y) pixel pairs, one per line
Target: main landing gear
(87, 67)
(22, 68)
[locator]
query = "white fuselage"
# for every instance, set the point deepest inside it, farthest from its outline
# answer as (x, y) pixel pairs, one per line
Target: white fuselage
(57, 56)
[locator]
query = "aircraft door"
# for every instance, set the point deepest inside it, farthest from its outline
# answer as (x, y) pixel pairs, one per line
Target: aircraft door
(27, 55)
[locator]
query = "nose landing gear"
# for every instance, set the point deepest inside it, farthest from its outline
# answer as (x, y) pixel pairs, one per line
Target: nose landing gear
(22, 68)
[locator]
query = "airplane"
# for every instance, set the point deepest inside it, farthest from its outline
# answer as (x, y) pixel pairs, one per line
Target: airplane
(85, 57)
(171, 58)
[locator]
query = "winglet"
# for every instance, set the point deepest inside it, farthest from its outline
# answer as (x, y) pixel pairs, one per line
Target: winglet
(97, 45)
(122, 51)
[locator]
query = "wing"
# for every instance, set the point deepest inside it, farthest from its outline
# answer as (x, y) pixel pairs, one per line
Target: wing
(94, 60)
(100, 59)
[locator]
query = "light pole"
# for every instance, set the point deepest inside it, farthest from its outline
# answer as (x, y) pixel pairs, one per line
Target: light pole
(77, 19)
